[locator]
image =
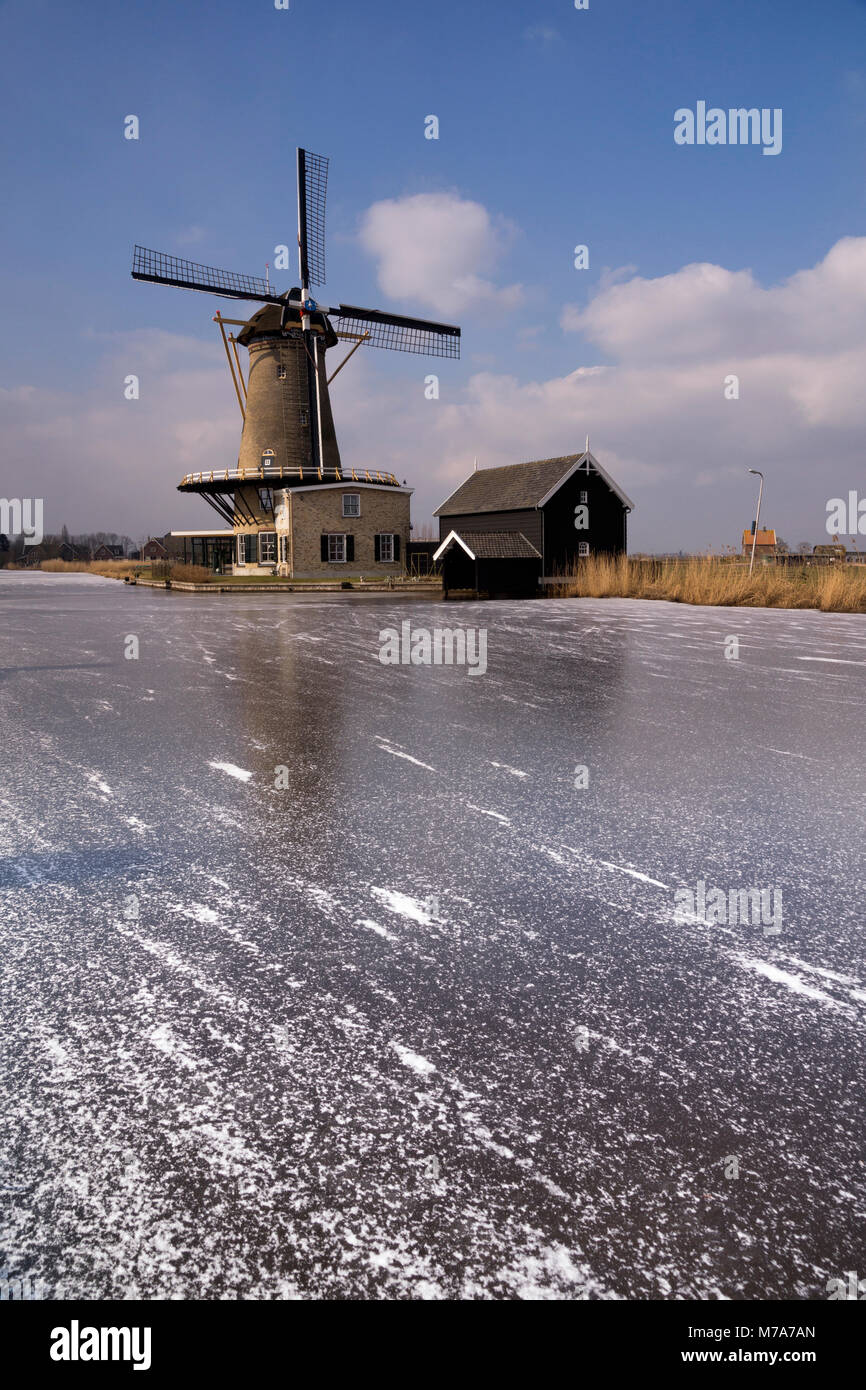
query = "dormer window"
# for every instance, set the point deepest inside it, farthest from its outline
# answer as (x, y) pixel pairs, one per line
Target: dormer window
(268, 460)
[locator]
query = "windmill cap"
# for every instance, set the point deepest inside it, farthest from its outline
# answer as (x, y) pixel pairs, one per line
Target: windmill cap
(266, 321)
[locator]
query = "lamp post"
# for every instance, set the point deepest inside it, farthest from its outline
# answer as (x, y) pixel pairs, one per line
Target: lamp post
(760, 475)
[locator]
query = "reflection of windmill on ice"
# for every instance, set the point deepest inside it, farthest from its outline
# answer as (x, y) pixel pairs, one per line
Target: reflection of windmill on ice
(288, 437)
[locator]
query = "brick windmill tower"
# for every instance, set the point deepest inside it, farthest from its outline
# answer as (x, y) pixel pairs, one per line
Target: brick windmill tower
(290, 505)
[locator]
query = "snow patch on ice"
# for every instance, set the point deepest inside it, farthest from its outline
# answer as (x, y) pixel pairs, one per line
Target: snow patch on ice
(414, 1060)
(634, 873)
(403, 906)
(495, 814)
(384, 747)
(232, 770)
(379, 930)
(791, 982)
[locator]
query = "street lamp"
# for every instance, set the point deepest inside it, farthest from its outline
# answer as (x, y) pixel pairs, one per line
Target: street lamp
(760, 475)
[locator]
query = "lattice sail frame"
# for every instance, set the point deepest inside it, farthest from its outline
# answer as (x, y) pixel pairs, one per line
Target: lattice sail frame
(401, 335)
(315, 192)
(164, 269)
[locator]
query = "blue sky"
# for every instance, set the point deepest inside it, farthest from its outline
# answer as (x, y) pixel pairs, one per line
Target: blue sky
(557, 123)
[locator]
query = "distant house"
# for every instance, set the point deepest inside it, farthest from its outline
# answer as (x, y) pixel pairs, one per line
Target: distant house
(154, 549)
(108, 552)
(35, 554)
(830, 552)
(507, 530)
(69, 552)
(764, 545)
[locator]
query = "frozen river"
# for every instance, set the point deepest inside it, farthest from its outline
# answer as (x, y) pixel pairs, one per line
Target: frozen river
(416, 1015)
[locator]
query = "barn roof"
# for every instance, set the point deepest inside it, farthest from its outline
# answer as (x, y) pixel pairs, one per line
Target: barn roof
(517, 486)
(491, 545)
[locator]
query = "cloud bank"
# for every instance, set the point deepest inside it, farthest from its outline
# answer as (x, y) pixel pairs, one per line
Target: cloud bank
(655, 409)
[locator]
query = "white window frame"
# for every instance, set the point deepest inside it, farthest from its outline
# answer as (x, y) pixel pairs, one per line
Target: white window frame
(386, 541)
(270, 536)
(336, 541)
(582, 549)
(240, 553)
(352, 497)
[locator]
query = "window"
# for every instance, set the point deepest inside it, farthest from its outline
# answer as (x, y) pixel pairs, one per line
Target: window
(268, 459)
(246, 553)
(267, 547)
(351, 504)
(281, 371)
(266, 499)
(337, 548)
(583, 547)
(584, 497)
(387, 548)
(305, 416)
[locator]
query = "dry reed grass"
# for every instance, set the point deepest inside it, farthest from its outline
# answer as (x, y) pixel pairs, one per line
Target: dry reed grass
(110, 569)
(831, 588)
(190, 574)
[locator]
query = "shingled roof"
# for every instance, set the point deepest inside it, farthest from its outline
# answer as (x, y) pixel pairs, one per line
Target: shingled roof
(491, 545)
(517, 486)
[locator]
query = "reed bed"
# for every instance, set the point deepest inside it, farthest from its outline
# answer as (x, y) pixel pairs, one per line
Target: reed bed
(718, 583)
(110, 569)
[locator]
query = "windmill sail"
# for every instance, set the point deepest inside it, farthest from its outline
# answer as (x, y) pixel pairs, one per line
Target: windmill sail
(312, 192)
(163, 269)
(394, 331)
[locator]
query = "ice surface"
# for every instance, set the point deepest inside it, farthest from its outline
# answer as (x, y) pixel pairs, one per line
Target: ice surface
(426, 1025)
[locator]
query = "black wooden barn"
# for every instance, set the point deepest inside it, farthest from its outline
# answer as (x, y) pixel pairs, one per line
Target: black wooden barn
(509, 530)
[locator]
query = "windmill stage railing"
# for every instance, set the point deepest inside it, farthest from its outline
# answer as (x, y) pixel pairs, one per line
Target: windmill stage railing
(290, 475)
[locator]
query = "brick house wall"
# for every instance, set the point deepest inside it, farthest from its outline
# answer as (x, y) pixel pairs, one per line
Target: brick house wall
(319, 510)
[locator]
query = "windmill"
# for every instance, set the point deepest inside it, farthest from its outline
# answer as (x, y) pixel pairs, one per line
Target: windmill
(288, 427)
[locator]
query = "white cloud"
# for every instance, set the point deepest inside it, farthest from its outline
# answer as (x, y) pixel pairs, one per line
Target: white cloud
(101, 462)
(704, 309)
(656, 414)
(541, 33)
(438, 249)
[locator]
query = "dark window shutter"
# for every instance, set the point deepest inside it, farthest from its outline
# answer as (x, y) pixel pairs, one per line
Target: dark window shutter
(350, 548)
(377, 555)
(396, 547)
(325, 548)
